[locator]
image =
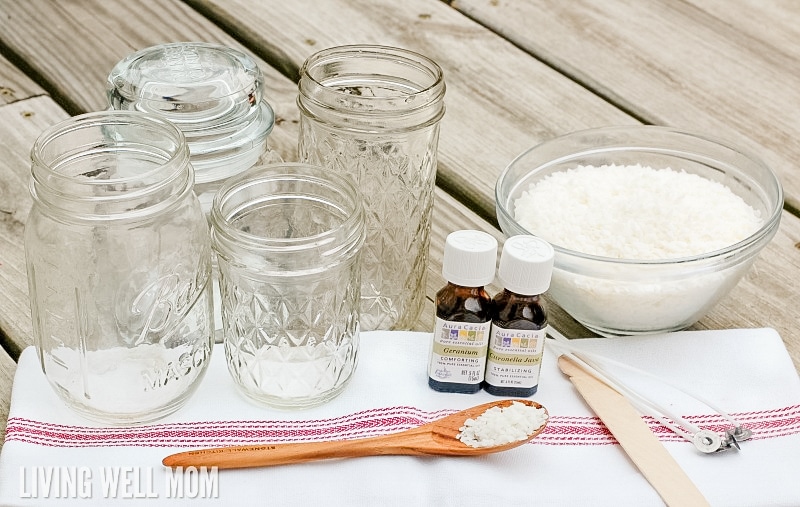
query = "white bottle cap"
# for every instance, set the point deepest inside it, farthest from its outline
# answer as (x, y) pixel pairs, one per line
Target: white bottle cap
(526, 265)
(469, 258)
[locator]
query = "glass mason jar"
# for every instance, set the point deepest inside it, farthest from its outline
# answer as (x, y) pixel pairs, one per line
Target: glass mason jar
(213, 93)
(288, 239)
(118, 258)
(372, 113)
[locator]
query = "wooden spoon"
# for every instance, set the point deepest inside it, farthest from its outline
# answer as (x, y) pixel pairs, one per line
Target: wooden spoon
(435, 438)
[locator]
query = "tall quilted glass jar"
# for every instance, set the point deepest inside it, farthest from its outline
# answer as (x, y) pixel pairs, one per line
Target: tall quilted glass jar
(372, 113)
(118, 257)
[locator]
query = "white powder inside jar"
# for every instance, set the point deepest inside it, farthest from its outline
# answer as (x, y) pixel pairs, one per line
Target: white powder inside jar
(502, 425)
(635, 212)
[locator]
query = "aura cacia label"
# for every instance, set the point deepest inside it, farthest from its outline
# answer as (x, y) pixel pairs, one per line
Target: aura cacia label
(459, 351)
(515, 357)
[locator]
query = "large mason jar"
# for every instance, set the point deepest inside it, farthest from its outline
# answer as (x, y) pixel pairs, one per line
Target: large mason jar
(372, 113)
(118, 258)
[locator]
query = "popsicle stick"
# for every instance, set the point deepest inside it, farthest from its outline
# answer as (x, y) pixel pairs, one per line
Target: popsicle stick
(647, 453)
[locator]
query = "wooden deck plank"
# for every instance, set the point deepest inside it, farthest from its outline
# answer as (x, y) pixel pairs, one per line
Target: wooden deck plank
(15, 87)
(73, 46)
(750, 17)
(759, 287)
(689, 69)
(14, 84)
(764, 286)
(405, 25)
(20, 124)
(7, 369)
(538, 103)
(499, 100)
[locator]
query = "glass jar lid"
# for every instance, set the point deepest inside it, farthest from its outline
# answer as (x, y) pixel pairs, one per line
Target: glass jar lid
(212, 93)
(196, 82)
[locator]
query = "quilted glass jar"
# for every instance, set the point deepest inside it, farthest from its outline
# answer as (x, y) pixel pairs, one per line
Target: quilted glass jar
(288, 239)
(372, 113)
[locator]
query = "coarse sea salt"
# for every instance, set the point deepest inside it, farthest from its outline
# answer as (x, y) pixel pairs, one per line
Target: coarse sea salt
(502, 425)
(638, 213)
(635, 212)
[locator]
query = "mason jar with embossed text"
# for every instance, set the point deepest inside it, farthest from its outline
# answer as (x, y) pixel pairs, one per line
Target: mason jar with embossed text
(372, 113)
(118, 257)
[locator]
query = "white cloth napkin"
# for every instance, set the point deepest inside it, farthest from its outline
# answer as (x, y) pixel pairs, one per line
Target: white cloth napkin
(575, 461)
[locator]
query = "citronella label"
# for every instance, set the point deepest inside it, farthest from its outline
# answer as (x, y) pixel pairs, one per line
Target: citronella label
(459, 351)
(514, 357)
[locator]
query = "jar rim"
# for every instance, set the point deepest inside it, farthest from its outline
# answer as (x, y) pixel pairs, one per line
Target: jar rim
(420, 95)
(220, 216)
(111, 117)
(168, 173)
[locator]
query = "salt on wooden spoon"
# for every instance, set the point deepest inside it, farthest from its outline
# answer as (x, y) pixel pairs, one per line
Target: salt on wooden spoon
(438, 438)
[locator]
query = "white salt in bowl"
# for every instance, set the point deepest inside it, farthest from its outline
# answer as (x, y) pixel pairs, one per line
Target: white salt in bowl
(620, 294)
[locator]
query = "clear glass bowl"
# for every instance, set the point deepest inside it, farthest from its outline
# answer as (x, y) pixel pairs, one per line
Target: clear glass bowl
(613, 296)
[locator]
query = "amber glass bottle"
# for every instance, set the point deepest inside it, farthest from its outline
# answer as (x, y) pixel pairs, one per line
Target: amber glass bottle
(519, 325)
(463, 313)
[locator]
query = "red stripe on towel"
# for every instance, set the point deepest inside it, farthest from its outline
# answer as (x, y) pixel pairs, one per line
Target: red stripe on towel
(560, 430)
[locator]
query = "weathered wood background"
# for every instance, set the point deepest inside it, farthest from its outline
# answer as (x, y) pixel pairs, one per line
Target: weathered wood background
(517, 73)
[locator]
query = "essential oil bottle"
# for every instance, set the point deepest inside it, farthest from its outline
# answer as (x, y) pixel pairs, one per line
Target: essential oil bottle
(519, 325)
(463, 313)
